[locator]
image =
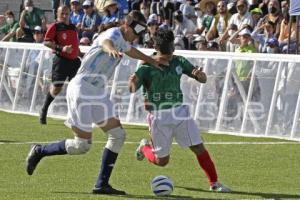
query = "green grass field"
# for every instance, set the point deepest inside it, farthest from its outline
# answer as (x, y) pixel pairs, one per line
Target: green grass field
(253, 171)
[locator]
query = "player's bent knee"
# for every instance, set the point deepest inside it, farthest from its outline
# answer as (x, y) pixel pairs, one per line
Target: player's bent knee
(77, 146)
(116, 139)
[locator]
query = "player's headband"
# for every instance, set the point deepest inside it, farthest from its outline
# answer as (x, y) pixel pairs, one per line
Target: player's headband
(138, 28)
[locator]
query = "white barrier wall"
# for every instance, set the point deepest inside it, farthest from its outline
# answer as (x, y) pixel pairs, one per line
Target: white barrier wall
(265, 103)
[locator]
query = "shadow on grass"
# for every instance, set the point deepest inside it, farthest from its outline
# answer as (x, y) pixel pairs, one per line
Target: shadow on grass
(9, 141)
(274, 196)
(132, 196)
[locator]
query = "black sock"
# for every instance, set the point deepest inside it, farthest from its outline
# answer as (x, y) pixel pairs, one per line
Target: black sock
(54, 149)
(108, 161)
(48, 100)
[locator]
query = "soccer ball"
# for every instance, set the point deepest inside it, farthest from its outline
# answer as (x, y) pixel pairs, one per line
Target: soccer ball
(162, 186)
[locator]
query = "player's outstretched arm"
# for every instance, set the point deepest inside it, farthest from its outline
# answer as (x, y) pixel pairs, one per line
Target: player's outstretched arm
(109, 47)
(135, 53)
(132, 82)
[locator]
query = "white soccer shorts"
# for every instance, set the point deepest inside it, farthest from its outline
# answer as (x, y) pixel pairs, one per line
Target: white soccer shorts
(86, 107)
(172, 123)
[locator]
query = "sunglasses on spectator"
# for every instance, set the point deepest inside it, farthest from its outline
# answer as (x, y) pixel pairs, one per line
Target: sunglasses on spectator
(86, 7)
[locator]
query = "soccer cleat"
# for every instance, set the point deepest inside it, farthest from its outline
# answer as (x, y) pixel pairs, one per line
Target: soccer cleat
(43, 117)
(218, 187)
(139, 155)
(108, 190)
(33, 159)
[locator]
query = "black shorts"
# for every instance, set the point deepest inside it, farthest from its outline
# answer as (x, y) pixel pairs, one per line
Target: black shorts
(62, 69)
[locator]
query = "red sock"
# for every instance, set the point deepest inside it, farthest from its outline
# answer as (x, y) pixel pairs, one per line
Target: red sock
(208, 166)
(147, 150)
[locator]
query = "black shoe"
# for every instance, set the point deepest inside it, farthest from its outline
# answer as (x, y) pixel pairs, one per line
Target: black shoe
(43, 117)
(33, 159)
(108, 190)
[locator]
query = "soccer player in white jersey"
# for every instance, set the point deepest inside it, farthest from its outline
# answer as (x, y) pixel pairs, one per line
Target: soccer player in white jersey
(89, 103)
(168, 117)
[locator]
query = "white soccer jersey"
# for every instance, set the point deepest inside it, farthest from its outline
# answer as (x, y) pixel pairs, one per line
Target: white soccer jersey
(97, 66)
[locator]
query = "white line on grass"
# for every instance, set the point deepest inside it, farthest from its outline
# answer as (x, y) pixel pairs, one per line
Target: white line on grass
(211, 143)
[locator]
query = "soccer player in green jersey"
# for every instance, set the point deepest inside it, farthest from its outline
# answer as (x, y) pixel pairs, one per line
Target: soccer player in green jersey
(168, 117)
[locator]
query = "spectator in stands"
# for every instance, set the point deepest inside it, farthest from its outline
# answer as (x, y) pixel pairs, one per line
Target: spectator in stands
(284, 7)
(156, 8)
(38, 34)
(30, 17)
(199, 15)
(135, 4)
(167, 13)
(85, 41)
(184, 30)
(76, 14)
(243, 72)
(10, 27)
(200, 43)
(152, 25)
(256, 14)
(262, 38)
(209, 8)
(90, 20)
(231, 46)
(254, 4)
(31, 67)
(264, 6)
(145, 9)
(239, 19)
(272, 46)
(285, 33)
(244, 67)
(110, 12)
(274, 15)
(219, 23)
(188, 10)
(212, 46)
(124, 7)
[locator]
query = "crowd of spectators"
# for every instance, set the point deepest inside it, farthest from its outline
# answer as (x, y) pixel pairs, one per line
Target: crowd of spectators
(218, 25)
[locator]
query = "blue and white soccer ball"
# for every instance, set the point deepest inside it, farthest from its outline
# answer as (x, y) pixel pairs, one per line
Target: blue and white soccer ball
(162, 186)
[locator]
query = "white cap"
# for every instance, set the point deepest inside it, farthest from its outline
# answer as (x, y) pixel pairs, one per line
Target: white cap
(38, 28)
(87, 3)
(245, 32)
(75, 1)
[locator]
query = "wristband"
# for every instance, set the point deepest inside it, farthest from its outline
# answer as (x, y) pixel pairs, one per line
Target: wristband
(58, 49)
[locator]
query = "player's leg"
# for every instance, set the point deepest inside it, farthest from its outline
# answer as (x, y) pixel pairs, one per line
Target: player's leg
(79, 118)
(116, 138)
(208, 167)
(187, 134)
(81, 144)
(59, 75)
(157, 151)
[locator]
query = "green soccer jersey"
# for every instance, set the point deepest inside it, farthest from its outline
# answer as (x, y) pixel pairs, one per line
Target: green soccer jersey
(161, 88)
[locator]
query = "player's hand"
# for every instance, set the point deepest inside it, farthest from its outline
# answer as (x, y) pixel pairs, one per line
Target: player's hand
(114, 53)
(199, 75)
(131, 83)
(132, 78)
(67, 49)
